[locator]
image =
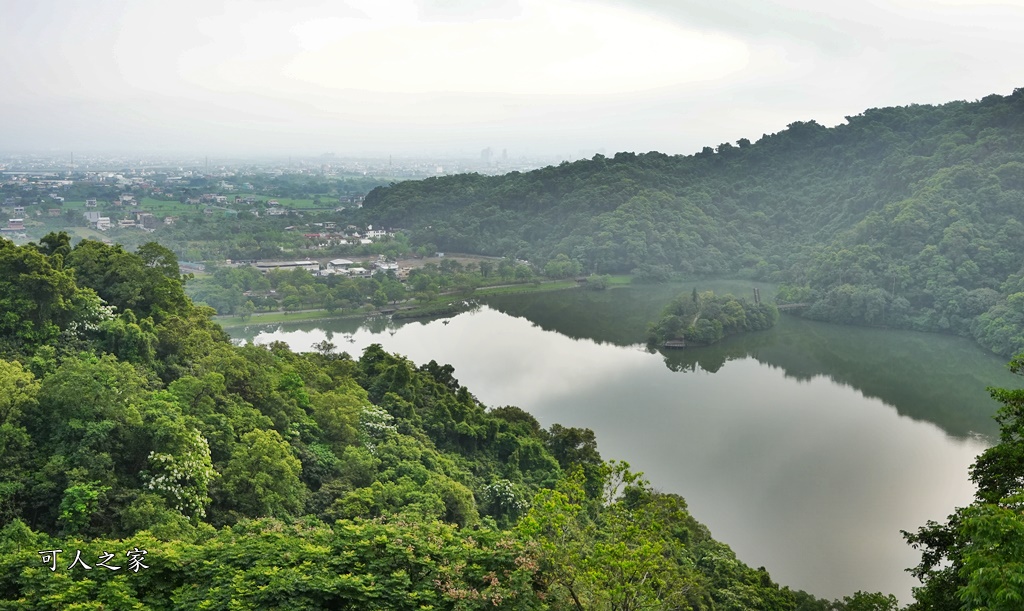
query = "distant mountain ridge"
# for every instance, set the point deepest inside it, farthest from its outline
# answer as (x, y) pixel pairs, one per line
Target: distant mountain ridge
(907, 217)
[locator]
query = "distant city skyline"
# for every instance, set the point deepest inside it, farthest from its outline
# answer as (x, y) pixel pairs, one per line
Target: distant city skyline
(436, 78)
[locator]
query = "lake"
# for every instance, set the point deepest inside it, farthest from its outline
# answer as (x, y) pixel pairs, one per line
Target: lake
(806, 448)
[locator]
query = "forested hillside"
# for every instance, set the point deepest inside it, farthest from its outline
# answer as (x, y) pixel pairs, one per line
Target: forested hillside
(149, 463)
(906, 217)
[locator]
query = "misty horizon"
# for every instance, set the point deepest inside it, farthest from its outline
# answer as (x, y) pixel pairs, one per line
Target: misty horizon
(432, 78)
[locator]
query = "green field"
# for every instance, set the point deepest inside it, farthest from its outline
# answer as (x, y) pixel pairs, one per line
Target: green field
(228, 321)
(267, 318)
(85, 233)
(161, 207)
(525, 287)
(156, 206)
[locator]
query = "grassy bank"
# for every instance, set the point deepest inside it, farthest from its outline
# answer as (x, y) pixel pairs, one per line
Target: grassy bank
(272, 318)
(437, 307)
(526, 287)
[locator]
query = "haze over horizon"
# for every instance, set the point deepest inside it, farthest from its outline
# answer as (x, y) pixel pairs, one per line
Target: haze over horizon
(421, 77)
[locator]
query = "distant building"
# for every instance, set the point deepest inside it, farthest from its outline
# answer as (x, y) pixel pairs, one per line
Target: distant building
(310, 266)
(103, 223)
(340, 263)
(146, 220)
(90, 203)
(16, 225)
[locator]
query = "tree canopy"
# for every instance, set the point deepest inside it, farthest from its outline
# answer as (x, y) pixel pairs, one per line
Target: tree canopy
(705, 318)
(147, 462)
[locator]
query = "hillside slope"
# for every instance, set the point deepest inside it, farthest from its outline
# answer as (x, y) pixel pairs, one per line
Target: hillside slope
(149, 463)
(908, 217)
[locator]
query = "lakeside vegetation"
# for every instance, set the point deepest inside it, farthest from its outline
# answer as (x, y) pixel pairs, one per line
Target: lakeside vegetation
(701, 319)
(440, 306)
(254, 476)
(245, 290)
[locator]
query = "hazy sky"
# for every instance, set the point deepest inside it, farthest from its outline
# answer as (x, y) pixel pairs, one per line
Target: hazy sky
(455, 76)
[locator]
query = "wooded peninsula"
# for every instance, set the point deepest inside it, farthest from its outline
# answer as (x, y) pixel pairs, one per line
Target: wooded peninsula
(693, 319)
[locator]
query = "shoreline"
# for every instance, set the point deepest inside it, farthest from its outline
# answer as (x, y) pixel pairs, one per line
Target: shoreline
(232, 321)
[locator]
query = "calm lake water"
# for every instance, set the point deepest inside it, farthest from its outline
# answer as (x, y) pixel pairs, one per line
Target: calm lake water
(806, 448)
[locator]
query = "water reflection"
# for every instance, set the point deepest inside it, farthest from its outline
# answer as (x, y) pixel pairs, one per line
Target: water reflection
(930, 377)
(791, 444)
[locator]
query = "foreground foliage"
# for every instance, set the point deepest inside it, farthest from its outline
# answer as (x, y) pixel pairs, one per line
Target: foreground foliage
(250, 477)
(975, 560)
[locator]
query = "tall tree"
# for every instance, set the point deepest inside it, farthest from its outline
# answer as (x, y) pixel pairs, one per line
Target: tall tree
(975, 560)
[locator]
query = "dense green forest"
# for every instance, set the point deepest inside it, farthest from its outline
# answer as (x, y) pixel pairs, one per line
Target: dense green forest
(705, 318)
(149, 463)
(905, 217)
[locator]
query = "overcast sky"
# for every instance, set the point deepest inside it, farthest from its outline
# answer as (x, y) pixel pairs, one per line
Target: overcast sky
(432, 77)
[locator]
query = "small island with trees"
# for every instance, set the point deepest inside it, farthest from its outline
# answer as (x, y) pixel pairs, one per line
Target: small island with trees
(700, 319)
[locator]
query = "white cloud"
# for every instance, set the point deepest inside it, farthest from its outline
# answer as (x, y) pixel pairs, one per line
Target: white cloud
(554, 47)
(533, 75)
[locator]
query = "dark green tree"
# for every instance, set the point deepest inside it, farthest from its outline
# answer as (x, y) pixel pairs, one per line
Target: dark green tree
(974, 559)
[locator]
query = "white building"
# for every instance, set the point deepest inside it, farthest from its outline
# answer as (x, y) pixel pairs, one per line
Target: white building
(310, 266)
